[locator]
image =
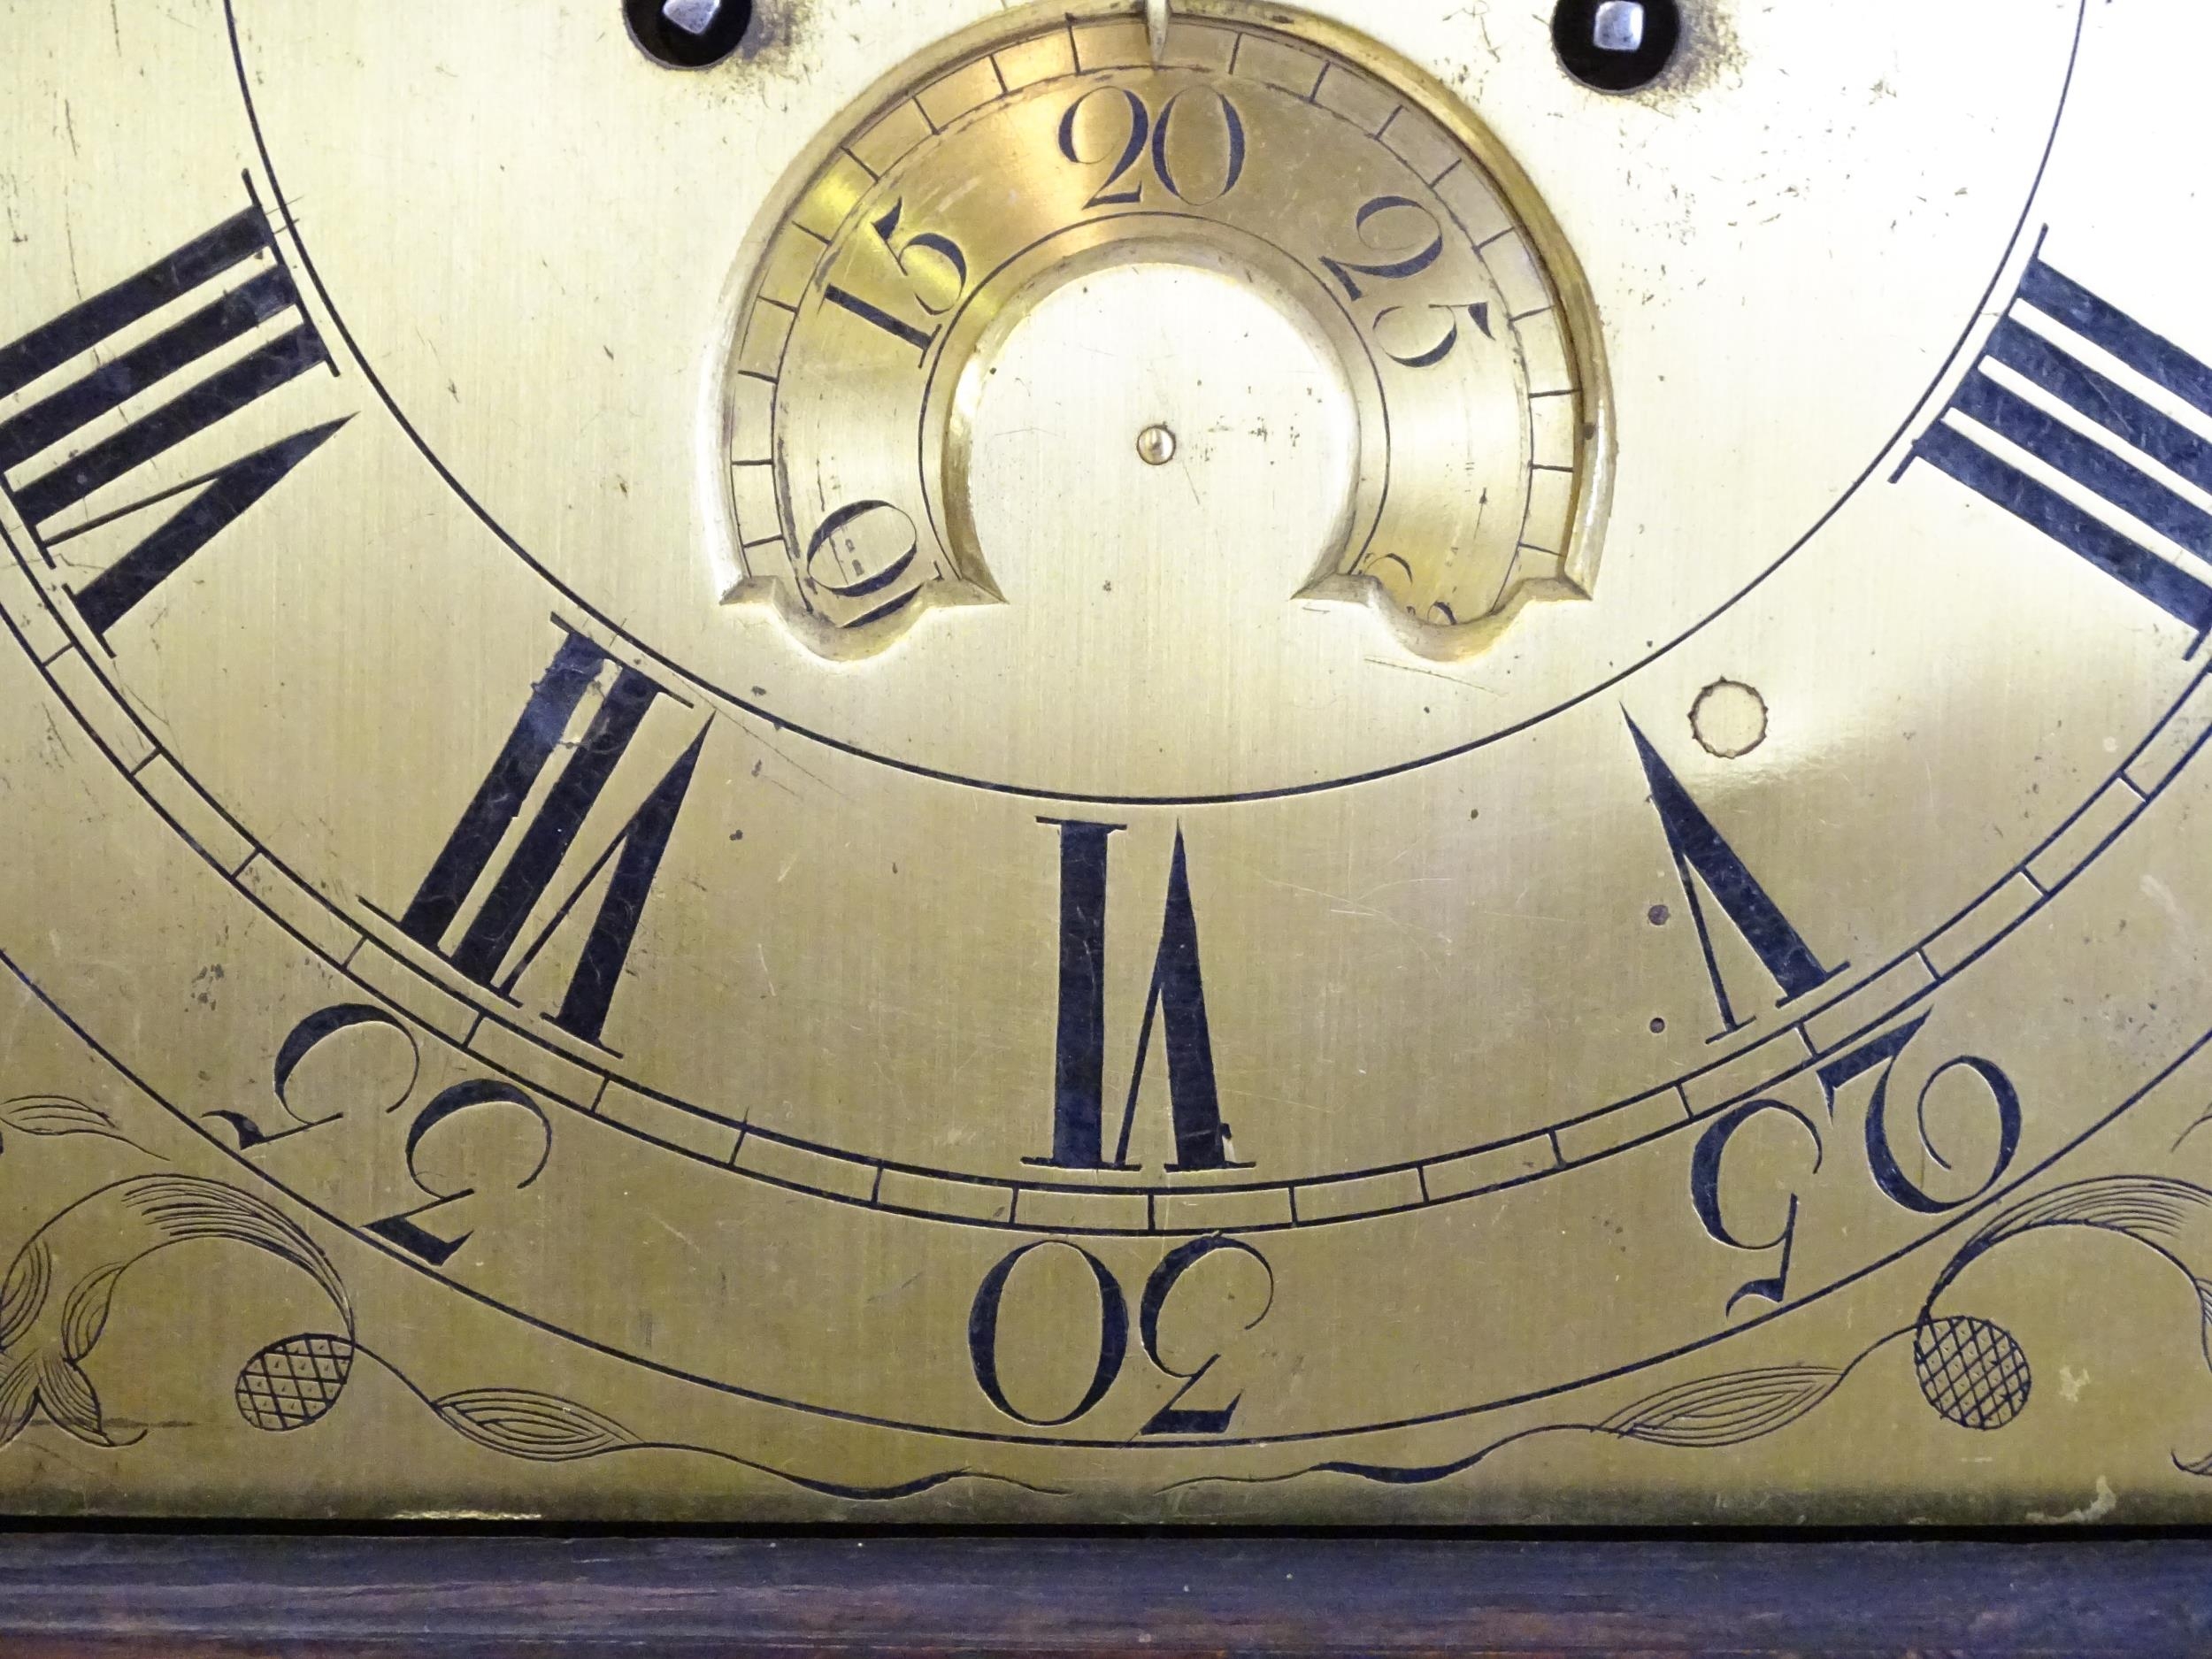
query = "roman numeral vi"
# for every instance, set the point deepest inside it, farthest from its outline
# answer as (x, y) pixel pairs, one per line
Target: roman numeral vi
(511, 876)
(1703, 858)
(1175, 1000)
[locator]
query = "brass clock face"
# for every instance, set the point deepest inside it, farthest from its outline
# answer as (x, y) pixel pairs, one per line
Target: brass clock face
(1193, 761)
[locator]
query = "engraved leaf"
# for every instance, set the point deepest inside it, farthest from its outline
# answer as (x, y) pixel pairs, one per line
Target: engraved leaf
(131, 1220)
(24, 1295)
(179, 1208)
(18, 1397)
(1727, 1409)
(67, 1394)
(86, 1315)
(2169, 1217)
(2152, 1210)
(54, 1115)
(116, 1227)
(2134, 1204)
(47, 1379)
(542, 1427)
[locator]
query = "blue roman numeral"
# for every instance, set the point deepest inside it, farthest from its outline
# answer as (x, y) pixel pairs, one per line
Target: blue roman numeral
(45, 480)
(2119, 477)
(511, 888)
(1176, 1001)
(1701, 854)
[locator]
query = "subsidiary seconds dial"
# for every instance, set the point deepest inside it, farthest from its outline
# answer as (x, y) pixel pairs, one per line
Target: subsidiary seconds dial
(988, 289)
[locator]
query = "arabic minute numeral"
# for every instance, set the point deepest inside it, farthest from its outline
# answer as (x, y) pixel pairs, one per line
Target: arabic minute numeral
(935, 267)
(1176, 170)
(1169, 1289)
(1374, 225)
(471, 1147)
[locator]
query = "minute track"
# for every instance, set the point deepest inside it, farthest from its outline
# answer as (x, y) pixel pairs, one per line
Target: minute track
(1903, 981)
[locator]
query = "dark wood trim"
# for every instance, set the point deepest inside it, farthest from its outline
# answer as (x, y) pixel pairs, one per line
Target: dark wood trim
(75, 1595)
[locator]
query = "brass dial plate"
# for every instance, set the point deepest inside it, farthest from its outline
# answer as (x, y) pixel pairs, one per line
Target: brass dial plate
(1000, 765)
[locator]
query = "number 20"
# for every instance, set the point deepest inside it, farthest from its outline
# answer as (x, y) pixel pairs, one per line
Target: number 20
(1142, 126)
(1113, 1334)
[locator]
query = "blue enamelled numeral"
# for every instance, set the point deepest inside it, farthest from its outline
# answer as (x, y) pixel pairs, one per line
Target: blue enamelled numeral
(1215, 1316)
(487, 944)
(1707, 864)
(66, 446)
(1143, 133)
(935, 268)
(352, 1072)
(1174, 1002)
(1925, 1156)
(2108, 441)
(1409, 241)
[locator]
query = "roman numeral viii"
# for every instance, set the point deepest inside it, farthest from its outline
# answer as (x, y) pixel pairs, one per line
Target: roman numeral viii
(239, 335)
(499, 871)
(2106, 439)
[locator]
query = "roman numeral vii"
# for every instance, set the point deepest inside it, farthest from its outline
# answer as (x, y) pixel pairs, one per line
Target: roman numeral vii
(237, 334)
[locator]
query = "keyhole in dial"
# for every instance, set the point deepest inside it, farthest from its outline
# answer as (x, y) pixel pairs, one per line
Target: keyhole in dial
(688, 34)
(1616, 45)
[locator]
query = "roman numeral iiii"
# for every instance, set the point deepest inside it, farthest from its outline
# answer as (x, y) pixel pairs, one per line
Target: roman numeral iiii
(2102, 436)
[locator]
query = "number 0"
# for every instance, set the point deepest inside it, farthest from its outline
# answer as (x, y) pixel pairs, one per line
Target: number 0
(1113, 1332)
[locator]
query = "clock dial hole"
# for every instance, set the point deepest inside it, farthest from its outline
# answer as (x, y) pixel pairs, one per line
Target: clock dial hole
(1728, 720)
(1616, 45)
(688, 33)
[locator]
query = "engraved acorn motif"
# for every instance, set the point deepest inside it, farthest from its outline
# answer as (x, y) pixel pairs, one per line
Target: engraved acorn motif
(1974, 1373)
(291, 1384)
